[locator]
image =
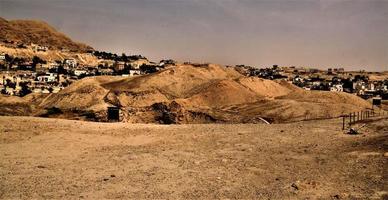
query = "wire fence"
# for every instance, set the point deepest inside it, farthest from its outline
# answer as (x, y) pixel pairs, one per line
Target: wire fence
(361, 116)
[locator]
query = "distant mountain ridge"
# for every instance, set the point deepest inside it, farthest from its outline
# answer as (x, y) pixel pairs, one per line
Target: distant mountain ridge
(37, 32)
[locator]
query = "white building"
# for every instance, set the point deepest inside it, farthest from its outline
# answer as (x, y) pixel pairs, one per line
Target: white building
(71, 62)
(49, 77)
(371, 87)
(53, 65)
(36, 47)
(134, 72)
(137, 63)
(337, 88)
(105, 71)
(79, 72)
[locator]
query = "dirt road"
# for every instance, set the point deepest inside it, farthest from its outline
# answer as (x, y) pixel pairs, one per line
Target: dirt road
(53, 158)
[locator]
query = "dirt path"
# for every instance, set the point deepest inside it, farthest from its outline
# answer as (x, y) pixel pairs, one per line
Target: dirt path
(52, 158)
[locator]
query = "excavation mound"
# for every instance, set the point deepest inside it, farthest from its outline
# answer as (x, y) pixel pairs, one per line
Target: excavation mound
(13, 105)
(177, 82)
(194, 94)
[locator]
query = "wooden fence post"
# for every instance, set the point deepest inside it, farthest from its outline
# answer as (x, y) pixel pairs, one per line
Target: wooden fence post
(350, 118)
(343, 121)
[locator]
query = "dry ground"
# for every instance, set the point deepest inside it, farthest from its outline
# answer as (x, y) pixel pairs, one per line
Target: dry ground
(53, 158)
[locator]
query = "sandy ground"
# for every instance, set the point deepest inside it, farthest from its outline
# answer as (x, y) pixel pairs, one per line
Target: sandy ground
(53, 158)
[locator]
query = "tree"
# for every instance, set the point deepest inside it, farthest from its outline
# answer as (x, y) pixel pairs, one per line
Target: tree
(3, 91)
(148, 68)
(8, 58)
(25, 89)
(62, 70)
(50, 89)
(37, 60)
(10, 84)
(124, 57)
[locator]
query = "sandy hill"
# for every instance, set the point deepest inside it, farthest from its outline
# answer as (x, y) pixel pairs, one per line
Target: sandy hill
(51, 55)
(177, 82)
(37, 32)
(12, 105)
(197, 94)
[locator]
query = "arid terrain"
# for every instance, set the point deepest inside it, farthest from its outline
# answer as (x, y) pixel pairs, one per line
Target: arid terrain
(57, 158)
(184, 130)
(186, 94)
(38, 32)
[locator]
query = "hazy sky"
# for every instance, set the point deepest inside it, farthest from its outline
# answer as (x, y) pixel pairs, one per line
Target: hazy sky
(322, 33)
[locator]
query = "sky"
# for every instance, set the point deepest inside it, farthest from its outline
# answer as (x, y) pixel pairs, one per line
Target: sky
(311, 33)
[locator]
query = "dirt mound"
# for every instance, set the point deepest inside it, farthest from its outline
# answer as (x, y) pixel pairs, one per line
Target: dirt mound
(286, 110)
(195, 94)
(223, 93)
(176, 82)
(175, 113)
(12, 105)
(37, 32)
(325, 97)
(135, 99)
(86, 94)
(289, 85)
(264, 87)
(35, 98)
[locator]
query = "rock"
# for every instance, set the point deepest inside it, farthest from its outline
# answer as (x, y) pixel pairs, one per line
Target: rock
(112, 175)
(353, 131)
(106, 179)
(386, 154)
(41, 167)
(336, 196)
(295, 186)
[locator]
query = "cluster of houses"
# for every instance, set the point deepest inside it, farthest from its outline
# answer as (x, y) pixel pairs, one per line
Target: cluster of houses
(37, 48)
(20, 76)
(21, 83)
(332, 79)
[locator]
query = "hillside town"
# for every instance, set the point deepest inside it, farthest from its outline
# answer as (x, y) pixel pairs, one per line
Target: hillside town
(20, 76)
(333, 79)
